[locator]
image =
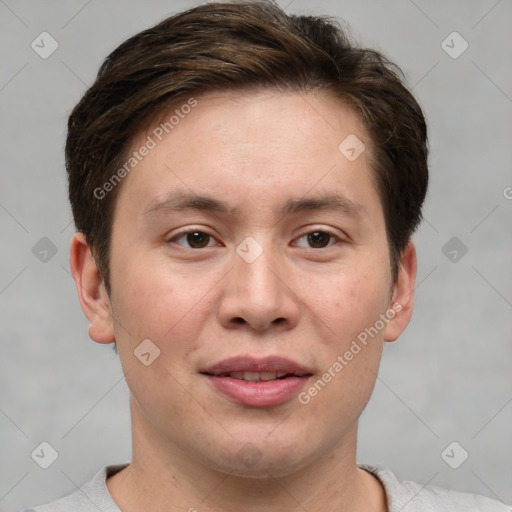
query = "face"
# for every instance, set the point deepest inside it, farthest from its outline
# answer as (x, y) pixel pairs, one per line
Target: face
(251, 251)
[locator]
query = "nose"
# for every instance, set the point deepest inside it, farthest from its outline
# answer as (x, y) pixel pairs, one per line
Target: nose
(259, 295)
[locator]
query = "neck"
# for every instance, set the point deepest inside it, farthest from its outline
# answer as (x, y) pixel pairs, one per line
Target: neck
(163, 477)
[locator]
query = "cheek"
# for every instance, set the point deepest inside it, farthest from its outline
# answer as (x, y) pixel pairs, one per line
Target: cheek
(352, 305)
(156, 304)
(351, 352)
(151, 301)
(360, 301)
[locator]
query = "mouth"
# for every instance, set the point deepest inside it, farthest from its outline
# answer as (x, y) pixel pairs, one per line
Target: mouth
(254, 382)
(256, 376)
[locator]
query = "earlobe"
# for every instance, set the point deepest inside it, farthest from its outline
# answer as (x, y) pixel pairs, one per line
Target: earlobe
(91, 290)
(402, 300)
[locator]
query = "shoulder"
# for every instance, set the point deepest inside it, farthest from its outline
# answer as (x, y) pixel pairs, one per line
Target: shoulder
(91, 497)
(407, 496)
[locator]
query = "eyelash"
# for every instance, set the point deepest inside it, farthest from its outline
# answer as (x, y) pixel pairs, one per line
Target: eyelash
(177, 236)
(333, 238)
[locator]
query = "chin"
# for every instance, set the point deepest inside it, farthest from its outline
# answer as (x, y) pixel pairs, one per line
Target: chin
(260, 470)
(261, 459)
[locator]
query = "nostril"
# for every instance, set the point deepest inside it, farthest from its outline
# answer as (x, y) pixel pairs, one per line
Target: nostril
(278, 320)
(239, 320)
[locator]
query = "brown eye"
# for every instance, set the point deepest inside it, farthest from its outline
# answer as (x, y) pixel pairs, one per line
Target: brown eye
(198, 239)
(194, 240)
(319, 239)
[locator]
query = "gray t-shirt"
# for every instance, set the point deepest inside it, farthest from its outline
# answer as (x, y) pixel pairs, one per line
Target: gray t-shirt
(402, 496)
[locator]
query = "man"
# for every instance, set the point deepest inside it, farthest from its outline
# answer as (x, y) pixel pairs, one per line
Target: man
(245, 185)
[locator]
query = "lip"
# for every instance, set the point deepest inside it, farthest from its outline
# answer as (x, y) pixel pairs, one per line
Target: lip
(258, 393)
(254, 364)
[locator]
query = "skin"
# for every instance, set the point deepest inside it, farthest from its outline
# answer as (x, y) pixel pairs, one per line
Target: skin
(255, 151)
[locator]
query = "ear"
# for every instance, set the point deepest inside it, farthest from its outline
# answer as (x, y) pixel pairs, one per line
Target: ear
(91, 290)
(402, 299)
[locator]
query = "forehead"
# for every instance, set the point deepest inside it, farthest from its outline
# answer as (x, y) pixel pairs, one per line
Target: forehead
(253, 146)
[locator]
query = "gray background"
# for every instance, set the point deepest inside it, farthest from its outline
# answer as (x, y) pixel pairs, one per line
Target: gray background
(447, 379)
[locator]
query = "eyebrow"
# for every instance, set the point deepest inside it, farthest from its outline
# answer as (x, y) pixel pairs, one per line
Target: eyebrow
(335, 202)
(178, 201)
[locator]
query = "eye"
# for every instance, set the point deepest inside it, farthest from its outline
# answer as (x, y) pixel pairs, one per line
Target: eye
(194, 240)
(317, 239)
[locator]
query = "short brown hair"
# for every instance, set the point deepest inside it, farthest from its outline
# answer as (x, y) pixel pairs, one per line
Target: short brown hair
(240, 45)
